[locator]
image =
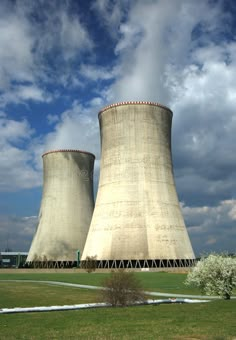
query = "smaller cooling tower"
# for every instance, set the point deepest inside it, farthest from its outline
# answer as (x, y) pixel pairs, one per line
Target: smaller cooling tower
(66, 208)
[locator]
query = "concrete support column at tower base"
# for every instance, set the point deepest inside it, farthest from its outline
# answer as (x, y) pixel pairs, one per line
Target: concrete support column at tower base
(142, 264)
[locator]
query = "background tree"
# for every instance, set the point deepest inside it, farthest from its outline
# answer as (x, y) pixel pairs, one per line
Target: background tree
(90, 264)
(122, 289)
(214, 274)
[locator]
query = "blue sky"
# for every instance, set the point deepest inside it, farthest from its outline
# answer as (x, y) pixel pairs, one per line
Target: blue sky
(62, 61)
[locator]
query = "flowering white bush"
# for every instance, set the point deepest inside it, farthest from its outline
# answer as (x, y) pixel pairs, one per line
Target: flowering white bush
(215, 274)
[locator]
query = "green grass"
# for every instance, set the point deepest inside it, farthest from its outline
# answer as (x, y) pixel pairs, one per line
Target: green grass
(153, 281)
(213, 320)
(172, 283)
(33, 294)
(83, 278)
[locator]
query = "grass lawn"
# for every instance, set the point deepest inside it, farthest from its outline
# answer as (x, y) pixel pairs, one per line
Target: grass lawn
(213, 320)
(35, 294)
(153, 281)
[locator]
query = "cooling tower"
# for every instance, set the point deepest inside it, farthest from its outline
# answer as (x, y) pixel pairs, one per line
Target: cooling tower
(137, 220)
(66, 208)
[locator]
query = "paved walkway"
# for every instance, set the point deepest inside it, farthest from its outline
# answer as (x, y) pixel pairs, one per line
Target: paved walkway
(75, 285)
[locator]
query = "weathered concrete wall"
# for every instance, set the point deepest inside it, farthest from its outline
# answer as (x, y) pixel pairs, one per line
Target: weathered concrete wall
(137, 213)
(67, 205)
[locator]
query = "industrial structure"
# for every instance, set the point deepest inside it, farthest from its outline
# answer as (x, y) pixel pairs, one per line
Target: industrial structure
(137, 221)
(66, 209)
(11, 259)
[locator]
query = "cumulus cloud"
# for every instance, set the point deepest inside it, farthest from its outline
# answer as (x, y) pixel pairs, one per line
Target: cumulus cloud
(36, 42)
(52, 119)
(94, 72)
(212, 228)
(16, 170)
(16, 45)
(34, 48)
(23, 94)
(17, 232)
(204, 129)
(111, 13)
(60, 31)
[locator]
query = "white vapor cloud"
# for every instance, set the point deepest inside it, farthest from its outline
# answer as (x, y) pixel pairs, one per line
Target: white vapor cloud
(150, 47)
(76, 129)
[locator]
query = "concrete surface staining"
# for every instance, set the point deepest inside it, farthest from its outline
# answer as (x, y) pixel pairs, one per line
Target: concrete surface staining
(66, 208)
(137, 221)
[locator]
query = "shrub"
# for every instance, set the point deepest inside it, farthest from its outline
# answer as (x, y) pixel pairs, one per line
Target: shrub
(122, 289)
(90, 264)
(214, 274)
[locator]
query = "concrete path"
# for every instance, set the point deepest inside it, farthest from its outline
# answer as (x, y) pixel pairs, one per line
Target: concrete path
(75, 285)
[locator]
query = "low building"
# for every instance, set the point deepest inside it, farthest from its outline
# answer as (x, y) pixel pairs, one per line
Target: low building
(12, 259)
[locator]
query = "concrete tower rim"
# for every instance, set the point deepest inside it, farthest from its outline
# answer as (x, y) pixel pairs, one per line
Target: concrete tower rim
(68, 150)
(133, 103)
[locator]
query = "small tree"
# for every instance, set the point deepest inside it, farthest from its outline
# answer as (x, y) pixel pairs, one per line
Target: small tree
(215, 274)
(90, 264)
(122, 289)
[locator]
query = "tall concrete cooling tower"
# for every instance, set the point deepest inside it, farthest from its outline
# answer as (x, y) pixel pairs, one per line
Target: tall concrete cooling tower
(137, 220)
(66, 208)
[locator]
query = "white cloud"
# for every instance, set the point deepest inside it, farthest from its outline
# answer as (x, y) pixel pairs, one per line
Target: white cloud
(161, 38)
(34, 49)
(94, 72)
(204, 124)
(110, 13)
(77, 129)
(61, 32)
(31, 93)
(16, 170)
(52, 119)
(16, 43)
(232, 208)
(13, 131)
(213, 227)
(17, 232)
(73, 36)
(23, 94)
